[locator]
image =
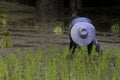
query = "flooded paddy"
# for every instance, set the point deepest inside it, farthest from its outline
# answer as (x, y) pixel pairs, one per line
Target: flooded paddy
(42, 38)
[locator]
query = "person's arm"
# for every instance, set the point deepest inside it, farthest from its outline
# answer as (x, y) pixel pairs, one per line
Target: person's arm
(95, 42)
(89, 47)
(72, 46)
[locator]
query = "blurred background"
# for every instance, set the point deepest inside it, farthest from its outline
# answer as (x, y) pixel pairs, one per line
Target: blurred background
(38, 23)
(103, 13)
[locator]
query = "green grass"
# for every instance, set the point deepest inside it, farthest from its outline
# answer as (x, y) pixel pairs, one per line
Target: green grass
(53, 65)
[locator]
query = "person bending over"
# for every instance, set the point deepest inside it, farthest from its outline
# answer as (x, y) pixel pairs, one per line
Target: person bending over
(83, 33)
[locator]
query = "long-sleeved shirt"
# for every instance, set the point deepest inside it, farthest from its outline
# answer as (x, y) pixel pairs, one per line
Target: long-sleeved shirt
(96, 43)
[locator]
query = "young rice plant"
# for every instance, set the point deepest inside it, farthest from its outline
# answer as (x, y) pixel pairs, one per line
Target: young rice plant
(52, 64)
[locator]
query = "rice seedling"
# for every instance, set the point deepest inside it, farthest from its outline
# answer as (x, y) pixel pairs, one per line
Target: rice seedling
(58, 30)
(6, 40)
(13, 66)
(62, 66)
(52, 64)
(115, 28)
(3, 69)
(3, 19)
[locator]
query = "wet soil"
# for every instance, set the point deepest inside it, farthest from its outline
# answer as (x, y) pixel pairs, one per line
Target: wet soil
(36, 37)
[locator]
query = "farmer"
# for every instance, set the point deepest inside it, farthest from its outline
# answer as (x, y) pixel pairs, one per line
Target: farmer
(82, 33)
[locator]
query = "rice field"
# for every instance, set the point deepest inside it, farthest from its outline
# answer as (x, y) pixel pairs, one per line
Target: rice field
(53, 64)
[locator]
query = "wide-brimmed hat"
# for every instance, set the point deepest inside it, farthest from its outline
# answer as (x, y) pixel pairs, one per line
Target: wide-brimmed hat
(82, 33)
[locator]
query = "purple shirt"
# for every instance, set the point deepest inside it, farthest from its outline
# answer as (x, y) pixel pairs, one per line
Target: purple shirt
(80, 19)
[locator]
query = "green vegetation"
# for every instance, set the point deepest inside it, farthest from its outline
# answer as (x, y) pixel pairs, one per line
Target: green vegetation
(53, 65)
(115, 26)
(6, 40)
(58, 28)
(3, 19)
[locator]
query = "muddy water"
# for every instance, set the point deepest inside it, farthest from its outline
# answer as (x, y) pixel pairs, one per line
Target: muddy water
(43, 38)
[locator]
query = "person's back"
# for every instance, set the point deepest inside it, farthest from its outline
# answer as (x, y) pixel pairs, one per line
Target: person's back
(80, 19)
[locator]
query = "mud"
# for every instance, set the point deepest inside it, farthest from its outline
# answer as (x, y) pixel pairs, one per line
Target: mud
(36, 38)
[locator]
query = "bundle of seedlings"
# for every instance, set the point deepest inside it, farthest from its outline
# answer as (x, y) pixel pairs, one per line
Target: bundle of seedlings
(6, 40)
